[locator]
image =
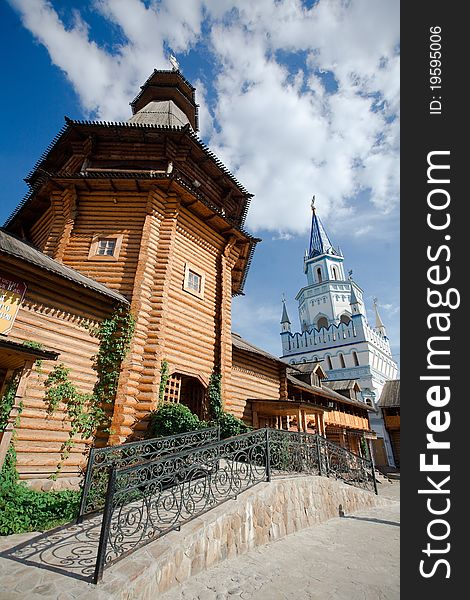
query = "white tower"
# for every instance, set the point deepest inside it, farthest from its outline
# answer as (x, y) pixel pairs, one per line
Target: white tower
(334, 326)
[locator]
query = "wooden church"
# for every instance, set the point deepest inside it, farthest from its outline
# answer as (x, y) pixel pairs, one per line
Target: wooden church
(139, 214)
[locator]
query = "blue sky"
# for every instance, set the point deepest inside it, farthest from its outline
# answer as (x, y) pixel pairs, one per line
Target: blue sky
(296, 98)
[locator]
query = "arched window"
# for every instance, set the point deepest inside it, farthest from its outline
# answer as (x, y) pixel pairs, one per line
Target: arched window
(322, 322)
(345, 319)
(328, 362)
(355, 358)
(335, 273)
(341, 361)
(319, 277)
(186, 390)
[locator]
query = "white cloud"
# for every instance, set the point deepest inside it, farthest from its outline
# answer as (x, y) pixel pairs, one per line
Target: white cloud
(273, 120)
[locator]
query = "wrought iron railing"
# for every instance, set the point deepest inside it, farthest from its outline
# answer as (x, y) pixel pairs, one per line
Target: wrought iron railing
(345, 465)
(146, 500)
(298, 452)
(101, 461)
(294, 452)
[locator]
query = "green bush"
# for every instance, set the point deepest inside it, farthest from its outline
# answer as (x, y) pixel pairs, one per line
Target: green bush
(229, 425)
(23, 509)
(172, 418)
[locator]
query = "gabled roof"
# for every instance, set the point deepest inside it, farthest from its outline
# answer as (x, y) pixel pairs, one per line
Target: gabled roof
(390, 396)
(343, 384)
(327, 393)
(14, 247)
(311, 366)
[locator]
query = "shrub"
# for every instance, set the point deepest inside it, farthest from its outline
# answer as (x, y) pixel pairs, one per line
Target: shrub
(229, 425)
(23, 509)
(172, 418)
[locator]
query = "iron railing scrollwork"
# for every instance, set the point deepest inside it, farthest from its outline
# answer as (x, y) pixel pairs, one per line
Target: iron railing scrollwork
(101, 461)
(299, 452)
(349, 467)
(146, 500)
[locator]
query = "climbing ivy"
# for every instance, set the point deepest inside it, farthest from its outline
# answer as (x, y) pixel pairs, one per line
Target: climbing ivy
(115, 335)
(8, 400)
(365, 448)
(37, 346)
(228, 423)
(214, 393)
(164, 376)
(87, 412)
(84, 415)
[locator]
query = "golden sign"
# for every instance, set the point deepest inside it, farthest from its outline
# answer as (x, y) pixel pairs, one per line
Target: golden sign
(12, 292)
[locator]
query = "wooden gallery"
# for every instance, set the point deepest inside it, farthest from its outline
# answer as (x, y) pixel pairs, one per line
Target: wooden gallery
(142, 218)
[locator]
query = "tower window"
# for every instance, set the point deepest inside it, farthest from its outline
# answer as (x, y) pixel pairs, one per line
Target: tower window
(335, 273)
(345, 319)
(322, 322)
(105, 247)
(341, 361)
(319, 276)
(329, 363)
(355, 358)
(194, 280)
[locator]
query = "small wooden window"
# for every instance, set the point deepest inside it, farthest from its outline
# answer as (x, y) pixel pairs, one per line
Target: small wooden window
(194, 280)
(105, 247)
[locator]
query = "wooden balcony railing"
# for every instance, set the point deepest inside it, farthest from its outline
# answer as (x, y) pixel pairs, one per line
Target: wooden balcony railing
(346, 420)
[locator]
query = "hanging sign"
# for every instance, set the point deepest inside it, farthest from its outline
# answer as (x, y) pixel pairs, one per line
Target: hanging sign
(12, 292)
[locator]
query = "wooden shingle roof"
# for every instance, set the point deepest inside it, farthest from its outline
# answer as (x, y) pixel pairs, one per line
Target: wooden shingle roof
(390, 395)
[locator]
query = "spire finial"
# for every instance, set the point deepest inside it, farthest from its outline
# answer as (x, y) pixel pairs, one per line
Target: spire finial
(313, 203)
(174, 63)
(378, 321)
(285, 317)
(350, 274)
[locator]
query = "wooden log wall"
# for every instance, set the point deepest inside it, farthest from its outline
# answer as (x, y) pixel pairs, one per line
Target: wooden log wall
(107, 214)
(172, 324)
(252, 377)
(56, 314)
(41, 230)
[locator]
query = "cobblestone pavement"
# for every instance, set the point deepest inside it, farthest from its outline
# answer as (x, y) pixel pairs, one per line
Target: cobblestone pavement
(355, 557)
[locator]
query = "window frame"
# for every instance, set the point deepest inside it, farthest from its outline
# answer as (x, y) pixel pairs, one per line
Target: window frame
(188, 269)
(95, 242)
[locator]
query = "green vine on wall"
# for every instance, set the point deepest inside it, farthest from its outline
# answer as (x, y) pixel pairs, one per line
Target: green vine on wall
(87, 412)
(37, 346)
(8, 400)
(214, 393)
(164, 376)
(115, 335)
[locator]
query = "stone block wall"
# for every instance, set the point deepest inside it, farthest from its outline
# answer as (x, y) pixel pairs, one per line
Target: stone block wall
(265, 513)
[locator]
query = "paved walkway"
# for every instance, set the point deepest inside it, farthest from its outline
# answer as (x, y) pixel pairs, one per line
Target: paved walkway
(351, 558)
